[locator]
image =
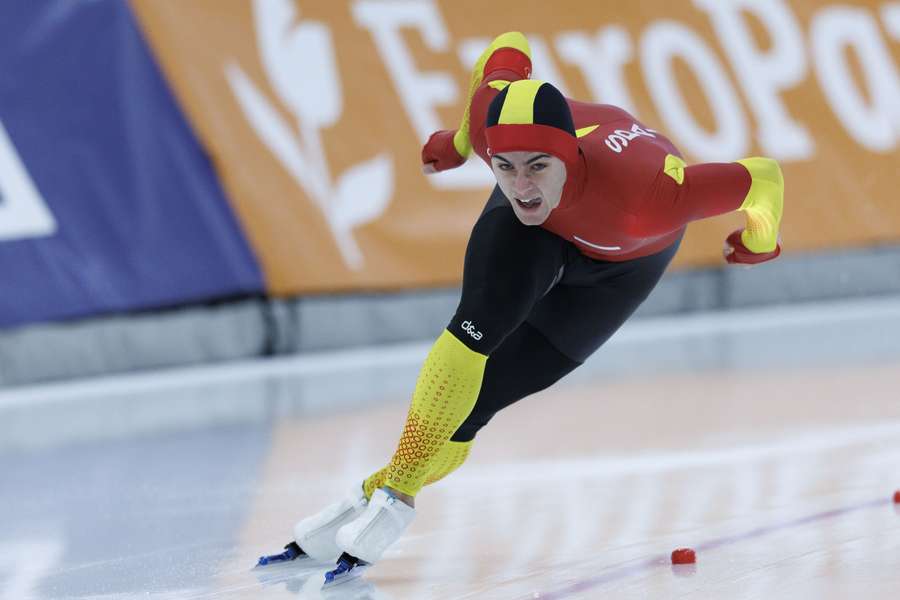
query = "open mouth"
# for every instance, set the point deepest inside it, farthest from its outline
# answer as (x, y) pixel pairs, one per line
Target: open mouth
(528, 205)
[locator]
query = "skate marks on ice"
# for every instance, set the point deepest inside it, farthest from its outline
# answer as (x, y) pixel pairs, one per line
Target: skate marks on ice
(759, 515)
(285, 580)
(26, 562)
(307, 583)
(663, 560)
(286, 490)
(581, 503)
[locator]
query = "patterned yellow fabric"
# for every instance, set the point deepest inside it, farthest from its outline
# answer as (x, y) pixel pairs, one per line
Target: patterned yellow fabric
(450, 458)
(374, 481)
(763, 205)
(445, 394)
(511, 39)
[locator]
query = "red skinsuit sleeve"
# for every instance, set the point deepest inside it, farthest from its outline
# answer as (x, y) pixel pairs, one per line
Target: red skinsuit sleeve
(707, 190)
(481, 100)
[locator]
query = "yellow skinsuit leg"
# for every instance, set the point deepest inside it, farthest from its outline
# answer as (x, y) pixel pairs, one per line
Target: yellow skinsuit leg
(763, 205)
(450, 458)
(445, 394)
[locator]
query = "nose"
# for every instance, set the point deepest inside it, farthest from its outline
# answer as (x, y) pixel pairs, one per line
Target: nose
(521, 183)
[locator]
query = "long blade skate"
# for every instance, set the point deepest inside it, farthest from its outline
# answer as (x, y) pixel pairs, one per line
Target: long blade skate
(291, 552)
(348, 567)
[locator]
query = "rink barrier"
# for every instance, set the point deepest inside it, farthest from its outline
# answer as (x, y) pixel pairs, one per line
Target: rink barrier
(265, 390)
(259, 327)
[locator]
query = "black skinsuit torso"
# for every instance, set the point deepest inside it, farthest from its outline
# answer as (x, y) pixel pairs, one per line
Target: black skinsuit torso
(537, 306)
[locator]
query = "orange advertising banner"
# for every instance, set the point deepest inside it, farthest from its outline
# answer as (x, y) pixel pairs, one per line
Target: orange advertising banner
(314, 114)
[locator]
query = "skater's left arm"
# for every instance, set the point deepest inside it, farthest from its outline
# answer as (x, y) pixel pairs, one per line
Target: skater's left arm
(681, 194)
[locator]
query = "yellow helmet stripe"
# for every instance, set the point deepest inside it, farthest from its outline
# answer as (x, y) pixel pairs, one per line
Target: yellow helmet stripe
(518, 108)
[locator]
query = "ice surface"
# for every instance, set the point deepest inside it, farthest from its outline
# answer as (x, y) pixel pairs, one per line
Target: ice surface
(768, 441)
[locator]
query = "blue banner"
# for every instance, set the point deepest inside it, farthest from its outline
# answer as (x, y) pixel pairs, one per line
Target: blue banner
(107, 200)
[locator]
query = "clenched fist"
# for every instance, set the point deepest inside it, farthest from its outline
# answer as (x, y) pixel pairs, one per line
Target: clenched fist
(439, 152)
(736, 252)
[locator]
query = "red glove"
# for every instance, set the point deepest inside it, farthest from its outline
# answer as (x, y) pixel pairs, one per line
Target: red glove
(736, 253)
(440, 153)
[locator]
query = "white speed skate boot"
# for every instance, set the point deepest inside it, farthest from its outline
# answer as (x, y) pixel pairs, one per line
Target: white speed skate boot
(365, 539)
(314, 536)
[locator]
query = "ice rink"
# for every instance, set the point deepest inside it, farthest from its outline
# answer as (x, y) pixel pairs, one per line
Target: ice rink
(767, 440)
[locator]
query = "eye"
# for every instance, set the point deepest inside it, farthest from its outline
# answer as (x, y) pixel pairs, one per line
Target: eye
(504, 166)
(538, 166)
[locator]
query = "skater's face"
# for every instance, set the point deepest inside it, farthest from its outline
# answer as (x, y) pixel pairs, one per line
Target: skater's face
(531, 181)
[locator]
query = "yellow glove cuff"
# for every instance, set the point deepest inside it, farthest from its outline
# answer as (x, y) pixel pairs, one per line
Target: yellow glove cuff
(763, 205)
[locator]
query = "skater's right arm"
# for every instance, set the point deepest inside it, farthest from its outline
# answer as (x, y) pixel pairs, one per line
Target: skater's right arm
(506, 59)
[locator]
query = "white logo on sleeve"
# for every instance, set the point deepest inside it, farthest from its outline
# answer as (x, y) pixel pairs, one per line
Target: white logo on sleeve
(618, 139)
(469, 327)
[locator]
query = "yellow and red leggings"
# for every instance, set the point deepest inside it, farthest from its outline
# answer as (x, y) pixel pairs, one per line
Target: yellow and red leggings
(445, 394)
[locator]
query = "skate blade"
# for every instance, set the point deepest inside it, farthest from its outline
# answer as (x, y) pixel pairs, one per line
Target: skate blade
(291, 552)
(347, 569)
(345, 577)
